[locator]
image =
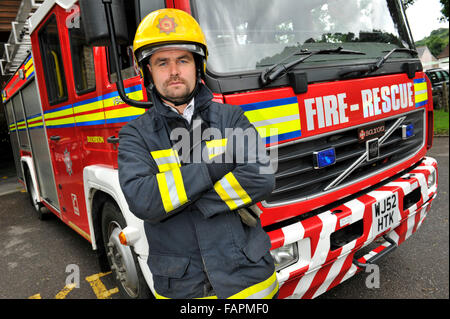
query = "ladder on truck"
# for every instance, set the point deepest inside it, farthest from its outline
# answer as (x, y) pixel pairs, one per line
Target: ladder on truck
(18, 46)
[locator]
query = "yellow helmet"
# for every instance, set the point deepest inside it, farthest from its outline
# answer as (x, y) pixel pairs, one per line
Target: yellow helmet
(168, 28)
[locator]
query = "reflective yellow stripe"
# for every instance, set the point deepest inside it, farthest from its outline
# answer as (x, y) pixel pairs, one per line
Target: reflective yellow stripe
(38, 118)
(69, 120)
(420, 86)
(97, 105)
(216, 147)
(164, 153)
(231, 192)
(421, 97)
(275, 120)
(158, 296)
(90, 117)
(171, 189)
(126, 111)
(29, 71)
(238, 189)
(52, 115)
(264, 290)
(224, 196)
(116, 100)
(272, 112)
(277, 129)
(164, 192)
(35, 124)
(182, 196)
(166, 159)
(29, 63)
(421, 93)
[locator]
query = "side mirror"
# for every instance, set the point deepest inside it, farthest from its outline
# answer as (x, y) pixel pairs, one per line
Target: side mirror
(95, 23)
(101, 19)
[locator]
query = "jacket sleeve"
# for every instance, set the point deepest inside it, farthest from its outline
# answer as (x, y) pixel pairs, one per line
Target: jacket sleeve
(252, 178)
(154, 186)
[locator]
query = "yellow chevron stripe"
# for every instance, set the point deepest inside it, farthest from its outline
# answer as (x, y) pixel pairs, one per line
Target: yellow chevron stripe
(29, 71)
(97, 105)
(113, 101)
(421, 97)
(29, 63)
(53, 115)
(279, 128)
(126, 111)
(420, 86)
(68, 120)
(272, 112)
(38, 118)
(90, 117)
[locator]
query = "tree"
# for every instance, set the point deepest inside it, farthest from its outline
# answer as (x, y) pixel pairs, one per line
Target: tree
(408, 3)
(436, 45)
(444, 10)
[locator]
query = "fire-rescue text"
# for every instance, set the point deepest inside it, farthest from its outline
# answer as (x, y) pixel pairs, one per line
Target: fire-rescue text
(336, 109)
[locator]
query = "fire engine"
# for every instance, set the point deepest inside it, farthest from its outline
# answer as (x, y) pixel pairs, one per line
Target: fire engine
(339, 80)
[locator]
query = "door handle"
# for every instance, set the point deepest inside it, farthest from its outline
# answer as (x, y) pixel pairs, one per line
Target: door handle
(55, 138)
(112, 140)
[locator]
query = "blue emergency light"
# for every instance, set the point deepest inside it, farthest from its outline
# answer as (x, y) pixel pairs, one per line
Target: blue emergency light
(324, 158)
(407, 131)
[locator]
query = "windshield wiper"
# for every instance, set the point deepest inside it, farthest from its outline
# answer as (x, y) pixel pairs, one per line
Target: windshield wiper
(370, 68)
(279, 69)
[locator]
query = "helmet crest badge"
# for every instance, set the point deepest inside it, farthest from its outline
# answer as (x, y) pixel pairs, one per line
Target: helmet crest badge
(166, 25)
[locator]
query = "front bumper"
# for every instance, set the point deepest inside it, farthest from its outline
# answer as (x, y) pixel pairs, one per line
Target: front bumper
(322, 264)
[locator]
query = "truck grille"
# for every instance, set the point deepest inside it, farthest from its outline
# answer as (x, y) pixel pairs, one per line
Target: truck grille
(297, 179)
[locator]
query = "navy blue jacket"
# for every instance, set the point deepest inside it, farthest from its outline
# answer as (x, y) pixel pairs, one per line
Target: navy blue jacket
(189, 207)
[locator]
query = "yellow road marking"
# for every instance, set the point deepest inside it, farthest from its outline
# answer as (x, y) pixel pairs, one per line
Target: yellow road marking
(63, 293)
(99, 288)
(96, 284)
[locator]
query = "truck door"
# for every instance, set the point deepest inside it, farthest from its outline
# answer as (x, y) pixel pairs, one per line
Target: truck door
(39, 145)
(58, 114)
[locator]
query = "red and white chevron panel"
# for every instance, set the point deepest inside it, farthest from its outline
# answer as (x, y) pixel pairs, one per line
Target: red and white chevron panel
(320, 267)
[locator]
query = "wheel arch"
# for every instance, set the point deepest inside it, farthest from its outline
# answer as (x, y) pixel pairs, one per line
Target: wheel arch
(28, 167)
(101, 184)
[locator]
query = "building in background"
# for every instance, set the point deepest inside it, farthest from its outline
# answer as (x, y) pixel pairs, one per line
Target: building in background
(427, 58)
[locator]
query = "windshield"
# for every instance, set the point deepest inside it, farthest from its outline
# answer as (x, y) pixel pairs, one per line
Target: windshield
(254, 34)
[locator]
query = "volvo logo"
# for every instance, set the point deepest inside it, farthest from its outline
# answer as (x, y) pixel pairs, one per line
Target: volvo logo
(372, 149)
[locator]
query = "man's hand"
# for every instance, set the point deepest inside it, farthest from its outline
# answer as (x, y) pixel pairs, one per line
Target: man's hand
(250, 215)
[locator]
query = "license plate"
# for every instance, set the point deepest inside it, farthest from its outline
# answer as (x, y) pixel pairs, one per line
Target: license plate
(385, 213)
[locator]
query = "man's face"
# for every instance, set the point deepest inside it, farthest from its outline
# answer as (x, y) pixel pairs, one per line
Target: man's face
(173, 73)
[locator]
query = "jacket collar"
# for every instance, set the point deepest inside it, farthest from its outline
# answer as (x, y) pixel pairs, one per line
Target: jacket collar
(160, 111)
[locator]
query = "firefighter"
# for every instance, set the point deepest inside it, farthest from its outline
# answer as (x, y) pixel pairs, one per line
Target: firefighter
(204, 241)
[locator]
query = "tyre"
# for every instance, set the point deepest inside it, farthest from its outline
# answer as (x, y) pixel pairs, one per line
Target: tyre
(122, 259)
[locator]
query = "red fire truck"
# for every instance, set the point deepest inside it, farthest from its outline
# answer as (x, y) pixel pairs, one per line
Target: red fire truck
(339, 80)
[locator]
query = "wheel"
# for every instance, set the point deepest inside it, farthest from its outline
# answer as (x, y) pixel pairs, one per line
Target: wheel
(33, 196)
(122, 259)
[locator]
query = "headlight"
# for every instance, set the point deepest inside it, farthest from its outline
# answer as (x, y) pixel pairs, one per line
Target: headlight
(285, 256)
(431, 179)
